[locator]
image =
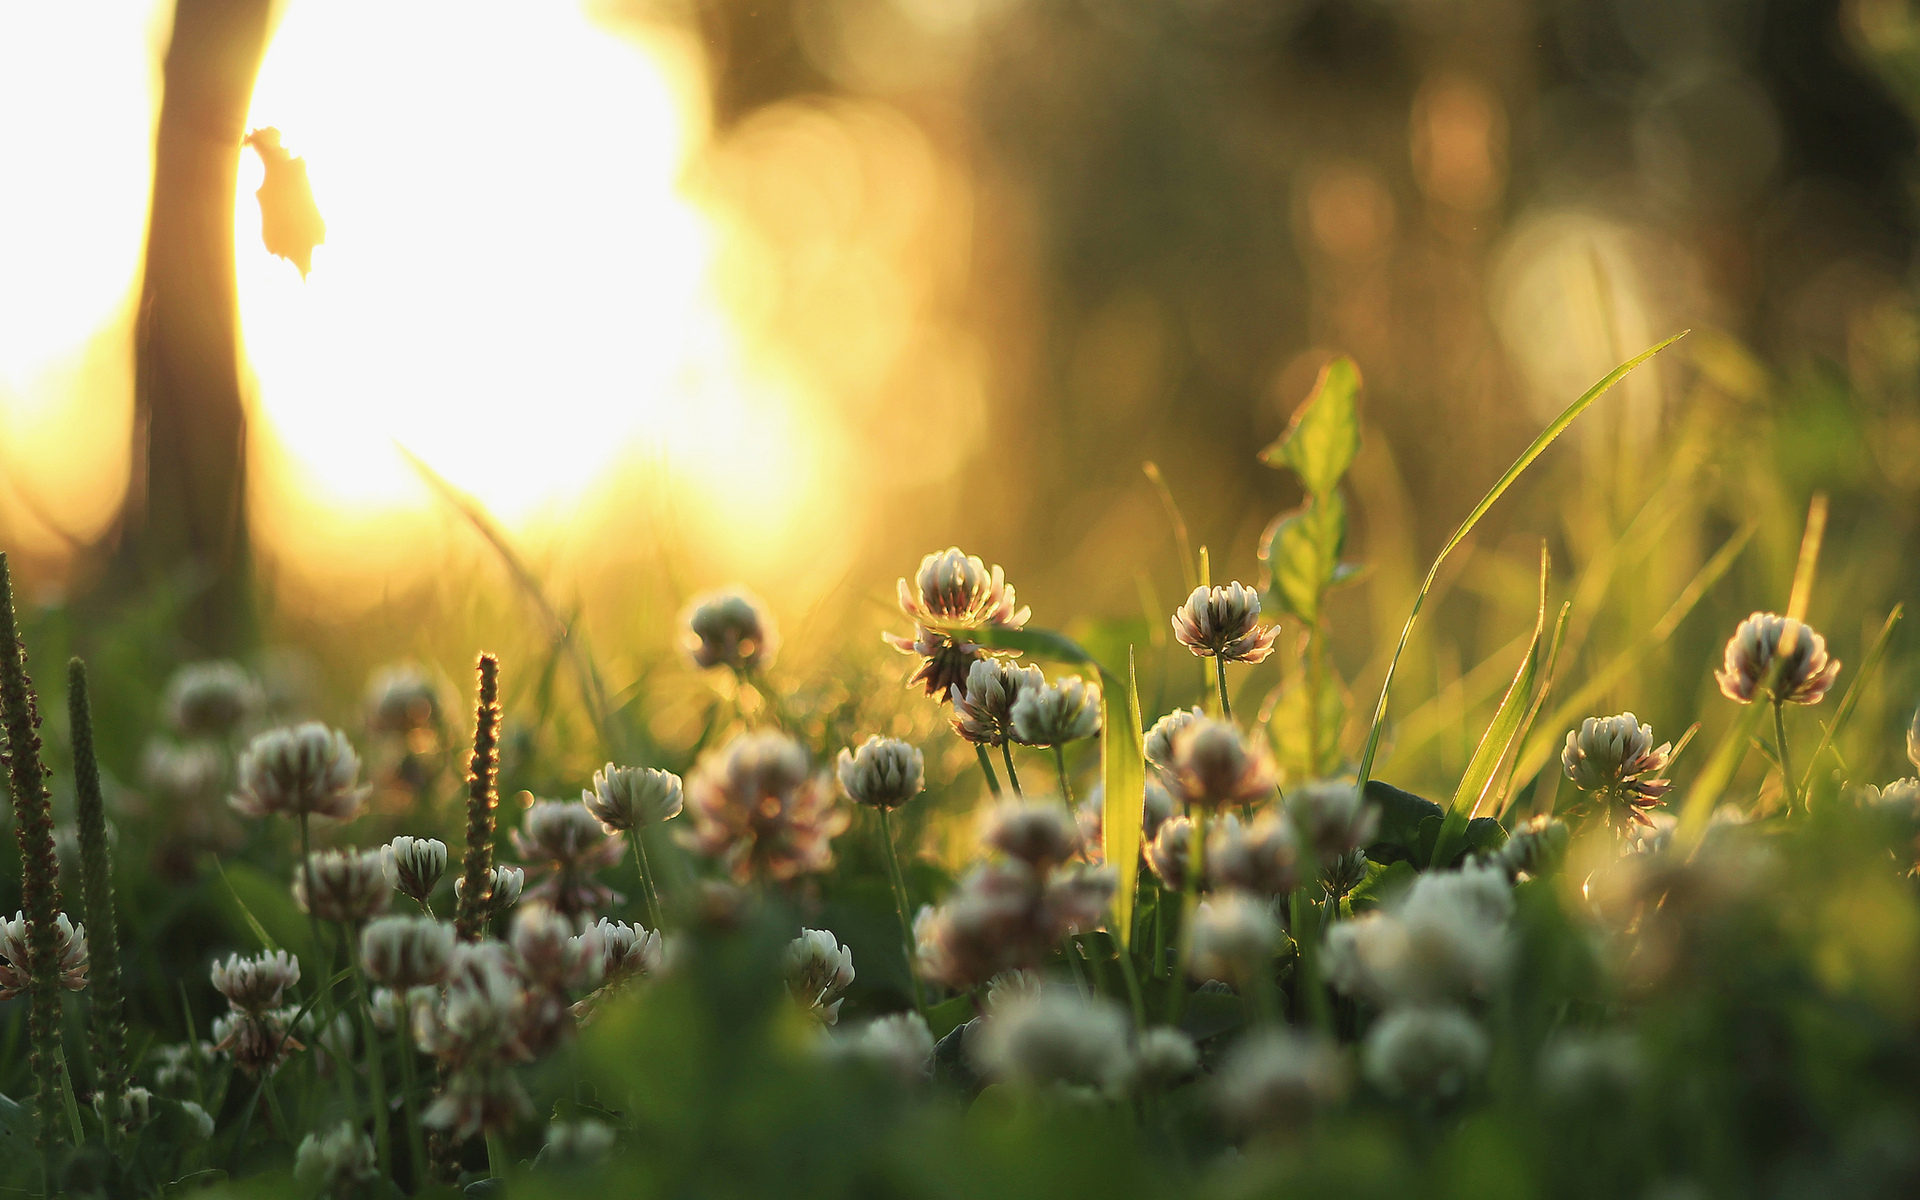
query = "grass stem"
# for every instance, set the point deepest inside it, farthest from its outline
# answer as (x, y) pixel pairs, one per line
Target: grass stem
(901, 906)
(1013, 776)
(647, 894)
(986, 768)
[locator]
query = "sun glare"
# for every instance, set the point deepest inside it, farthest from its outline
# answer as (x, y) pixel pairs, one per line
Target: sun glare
(512, 285)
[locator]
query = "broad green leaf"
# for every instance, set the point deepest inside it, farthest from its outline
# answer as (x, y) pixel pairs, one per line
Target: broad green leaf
(1397, 837)
(1290, 729)
(1499, 489)
(1302, 553)
(1500, 735)
(1123, 772)
(948, 1015)
(1045, 643)
(1323, 437)
(1383, 883)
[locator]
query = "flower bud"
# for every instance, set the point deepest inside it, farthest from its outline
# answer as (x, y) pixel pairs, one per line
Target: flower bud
(1214, 766)
(407, 952)
(1224, 622)
(413, 866)
(883, 773)
(818, 969)
(1053, 714)
(625, 798)
(344, 886)
(730, 629)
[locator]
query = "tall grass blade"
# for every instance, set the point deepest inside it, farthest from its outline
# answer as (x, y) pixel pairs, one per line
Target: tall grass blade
(1499, 737)
(1503, 795)
(1123, 771)
(1179, 523)
(1533, 451)
(1868, 667)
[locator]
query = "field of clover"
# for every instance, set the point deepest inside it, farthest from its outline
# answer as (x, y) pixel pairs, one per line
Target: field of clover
(1190, 952)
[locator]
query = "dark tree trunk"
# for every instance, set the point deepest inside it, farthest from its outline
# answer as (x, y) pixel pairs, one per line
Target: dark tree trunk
(186, 507)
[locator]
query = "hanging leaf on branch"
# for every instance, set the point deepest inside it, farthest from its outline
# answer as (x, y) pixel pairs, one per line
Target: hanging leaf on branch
(290, 222)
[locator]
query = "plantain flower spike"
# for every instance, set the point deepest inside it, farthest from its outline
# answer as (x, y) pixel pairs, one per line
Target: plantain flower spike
(883, 773)
(730, 628)
(625, 798)
(1805, 675)
(1610, 759)
(1224, 623)
(1053, 714)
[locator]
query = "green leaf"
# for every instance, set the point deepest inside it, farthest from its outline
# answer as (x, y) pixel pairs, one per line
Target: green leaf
(1323, 437)
(1401, 814)
(1302, 553)
(1123, 772)
(1500, 735)
(1533, 451)
(949, 1015)
(1384, 881)
(1290, 730)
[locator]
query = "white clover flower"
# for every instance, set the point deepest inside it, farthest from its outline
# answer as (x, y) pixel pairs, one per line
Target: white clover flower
(1224, 622)
(1445, 939)
(199, 1124)
(729, 628)
(1012, 987)
(630, 951)
(70, 951)
(1332, 816)
(1039, 834)
(883, 773)
(1611, 760)
(1057, 1037)
(1170, 853)
(1214, 766)
(759, 807)
(347, 886)
(623, 798)
(1274, 1080)
(177, 1067)
(413, 866)
(257, 1042)
(1261, 858)
(983, 706)
(1159, 743)
(577, 1144)
(1053, 714)
(955, 590)
(186, 775)
(1535, 847)
(1162, 1057)
(1806, 675)
(255, 985)
(402, 699)
(478, 1101)
(306, 769)
(900, 1044)
(818, 969)
(334, 1162)
(210, 699)
(1902, 795)
(136, 1108)
(552, 954)
(508, 883)
(1576, 1066)
(1435, 1052)
(1234, 936)
(407, 952)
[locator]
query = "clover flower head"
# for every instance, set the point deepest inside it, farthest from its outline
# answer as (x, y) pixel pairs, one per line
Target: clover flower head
(414, 865)
(306, 769)
(954, 590)
(1342, 874)
(1594, 1066)
(335, 1162)
(1057, 1037)
(983, 707)
(1039, 834)
(255, 985)
(1156, 807)
(1435, 1052)
(347, 886)
(508, 883)
(570, 843)
(1275, 1080)
(1444, 941)
(401, 700)
(478, 1101)
(70, 953)
(1006, 914)
(552, 955)
(625, 798)
(256, 1042)
(1224, 623)
(407, 952)
(945, 658)
(730, 628)
(210, 699)
(630, 952)
(1214, 766)
(759, 808)
(1234, 936)
(199, 1123)
(1535, 847)
(577, 1144)
(1332, 816)
(1610, 759)
(883, 773)
(818, 970)
(900, 1044)
(478, 1019)
(184, 774)
(136, 1107)
(177, 1066)
(1902, 795)
(1054, 714)
(1806, 671)
(1012, 986)
(1162, 1057)
(1170, 853)
(1261, 858)
(1159, 742)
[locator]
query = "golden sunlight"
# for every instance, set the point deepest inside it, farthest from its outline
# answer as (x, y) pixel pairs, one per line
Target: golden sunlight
(512, 287)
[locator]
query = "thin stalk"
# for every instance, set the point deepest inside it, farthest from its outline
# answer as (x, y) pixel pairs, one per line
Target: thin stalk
(1159, 932)
(1316, 681)
(1066, 788)
(1189, 907)
(306, 881)
(1013, 776)
(1220, 677)
(1307, 971)
(646, 879)
(900, 906)
(1786, 763)
(496, 1156)
(410, 1105)
(376, 1069)
(986, 768)
(1134, 998)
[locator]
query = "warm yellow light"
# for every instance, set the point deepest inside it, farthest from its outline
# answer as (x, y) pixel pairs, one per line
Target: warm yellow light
(512, 286)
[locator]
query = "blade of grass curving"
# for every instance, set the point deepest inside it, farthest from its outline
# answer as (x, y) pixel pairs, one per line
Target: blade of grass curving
(1045, 643)
(246, 914)
(592, 689)
(1123, 770)
(1535, 755)
(1533, 451)
(1503, 795)
(1498, 738)
(1868, 667)
(1179, 523)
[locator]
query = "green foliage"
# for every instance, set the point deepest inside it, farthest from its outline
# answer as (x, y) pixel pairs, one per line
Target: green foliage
(1324, 436)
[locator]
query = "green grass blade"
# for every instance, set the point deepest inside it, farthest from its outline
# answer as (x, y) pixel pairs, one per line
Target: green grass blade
(1868, 666)
(1714, 777)
(1123, 769)
(1503, 795)
(1499, 489)
(1500, 734)
(246, 914)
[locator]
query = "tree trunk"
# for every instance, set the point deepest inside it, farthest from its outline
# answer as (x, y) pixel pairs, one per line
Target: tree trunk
(186, 507)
